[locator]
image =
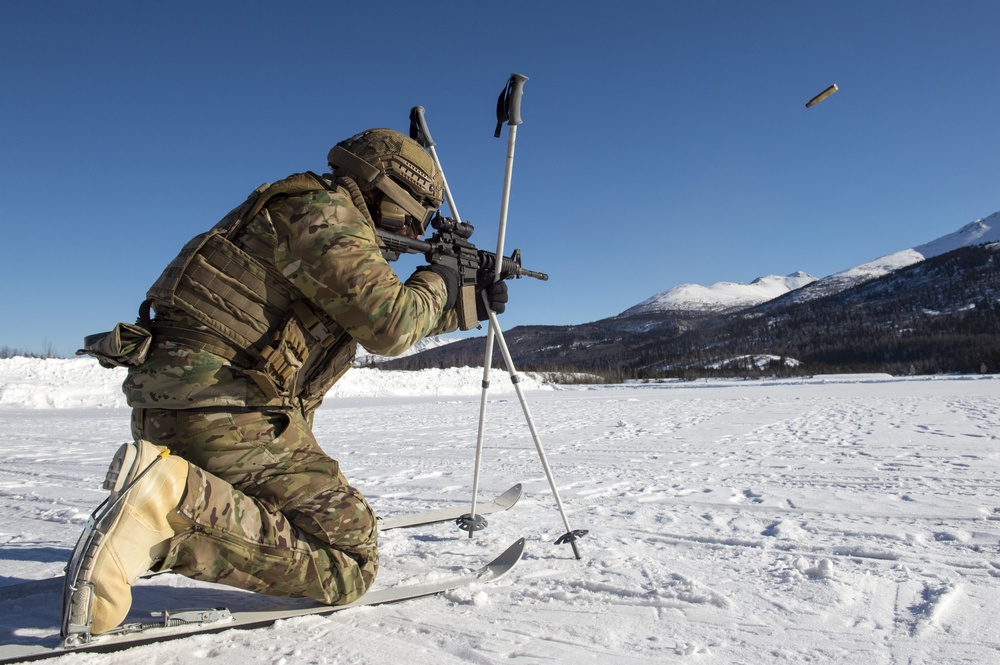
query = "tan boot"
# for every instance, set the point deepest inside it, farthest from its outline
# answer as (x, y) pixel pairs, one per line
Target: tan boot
(137, 533)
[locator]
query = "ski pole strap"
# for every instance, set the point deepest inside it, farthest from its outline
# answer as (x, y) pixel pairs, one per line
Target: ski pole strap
(509, 103)
(418, 128)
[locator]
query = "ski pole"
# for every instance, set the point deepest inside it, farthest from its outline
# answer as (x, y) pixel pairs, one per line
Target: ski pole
(571, 535)
(509, 111)
(420, 132)
(504, 109)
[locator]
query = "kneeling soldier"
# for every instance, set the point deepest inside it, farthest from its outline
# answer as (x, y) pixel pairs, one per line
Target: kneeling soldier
(254, 322)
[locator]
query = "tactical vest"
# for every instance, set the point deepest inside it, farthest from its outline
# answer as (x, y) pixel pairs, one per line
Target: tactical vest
(258, 319)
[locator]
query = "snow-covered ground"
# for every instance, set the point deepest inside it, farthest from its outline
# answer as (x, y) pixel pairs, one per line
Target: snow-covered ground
(848, 519)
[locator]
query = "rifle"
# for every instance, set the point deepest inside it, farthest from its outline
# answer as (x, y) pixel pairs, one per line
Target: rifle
(450, 245)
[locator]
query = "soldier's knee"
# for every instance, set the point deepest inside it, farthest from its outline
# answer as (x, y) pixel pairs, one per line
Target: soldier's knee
(340, 517)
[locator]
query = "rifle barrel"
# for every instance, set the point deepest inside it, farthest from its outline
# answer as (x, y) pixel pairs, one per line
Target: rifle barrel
(510, 267)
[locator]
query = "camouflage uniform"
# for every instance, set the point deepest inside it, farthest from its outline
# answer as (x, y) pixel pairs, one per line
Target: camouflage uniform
(266, 509)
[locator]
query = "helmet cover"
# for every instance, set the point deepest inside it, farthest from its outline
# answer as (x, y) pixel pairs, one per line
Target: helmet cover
(402, 159)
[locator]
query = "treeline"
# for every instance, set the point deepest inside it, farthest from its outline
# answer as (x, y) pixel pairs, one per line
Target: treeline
(9, 352)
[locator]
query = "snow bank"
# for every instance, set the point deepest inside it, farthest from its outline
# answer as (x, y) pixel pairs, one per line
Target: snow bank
(365, 382)
(56, 383)
(81, 383)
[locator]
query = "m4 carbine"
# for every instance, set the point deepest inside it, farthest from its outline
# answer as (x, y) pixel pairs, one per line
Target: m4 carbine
(450, 246)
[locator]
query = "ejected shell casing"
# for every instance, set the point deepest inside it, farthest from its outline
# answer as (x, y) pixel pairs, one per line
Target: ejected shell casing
(821, 96)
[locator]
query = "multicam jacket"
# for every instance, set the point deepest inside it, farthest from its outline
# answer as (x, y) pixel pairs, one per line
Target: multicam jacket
(328, 252)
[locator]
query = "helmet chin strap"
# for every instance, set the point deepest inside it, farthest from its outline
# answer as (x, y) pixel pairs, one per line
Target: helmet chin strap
(341, 158)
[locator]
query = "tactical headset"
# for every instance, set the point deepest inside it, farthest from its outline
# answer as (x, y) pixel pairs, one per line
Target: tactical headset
(397, 207)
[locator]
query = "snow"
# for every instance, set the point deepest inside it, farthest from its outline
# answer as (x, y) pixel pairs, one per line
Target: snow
(364, 358)
(760, 361)
(722, 295)
(877, 268)
(83, 383)
(978, 232)
(834, 519)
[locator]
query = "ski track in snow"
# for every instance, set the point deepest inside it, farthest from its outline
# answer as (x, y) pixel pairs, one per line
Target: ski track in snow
(837, 520)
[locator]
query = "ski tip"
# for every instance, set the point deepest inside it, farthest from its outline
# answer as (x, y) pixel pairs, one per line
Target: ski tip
(517, 549)
(506, 560)
(510, 497)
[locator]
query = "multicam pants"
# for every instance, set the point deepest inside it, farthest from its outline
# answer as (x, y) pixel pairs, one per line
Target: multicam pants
(265, 508)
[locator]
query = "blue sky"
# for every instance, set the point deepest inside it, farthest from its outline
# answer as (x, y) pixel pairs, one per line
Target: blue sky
(663, 142)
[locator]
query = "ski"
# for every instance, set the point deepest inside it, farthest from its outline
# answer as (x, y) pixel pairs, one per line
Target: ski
(171, 625)
(498, 504)
(502, 502)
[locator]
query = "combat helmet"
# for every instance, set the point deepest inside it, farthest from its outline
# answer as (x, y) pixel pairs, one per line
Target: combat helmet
(398, 167)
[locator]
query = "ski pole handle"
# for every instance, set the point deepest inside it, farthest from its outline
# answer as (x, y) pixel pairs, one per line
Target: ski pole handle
(418, 128)
(509, 103)
(514, 98)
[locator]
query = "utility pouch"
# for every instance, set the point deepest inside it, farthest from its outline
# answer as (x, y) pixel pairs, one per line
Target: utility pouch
(283, 356)
(466, 306)
(332, 364)
(125, 346)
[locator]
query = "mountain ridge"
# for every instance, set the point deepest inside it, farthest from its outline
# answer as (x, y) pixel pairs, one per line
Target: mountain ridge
(729, 296)
(722, 296)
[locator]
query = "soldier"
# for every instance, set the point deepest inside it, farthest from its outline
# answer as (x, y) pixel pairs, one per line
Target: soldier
(254, 322)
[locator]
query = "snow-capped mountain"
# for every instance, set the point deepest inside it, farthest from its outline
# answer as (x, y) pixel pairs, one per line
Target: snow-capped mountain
(364, 358)
(975, 233)
(724, 296)
(859, 274)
